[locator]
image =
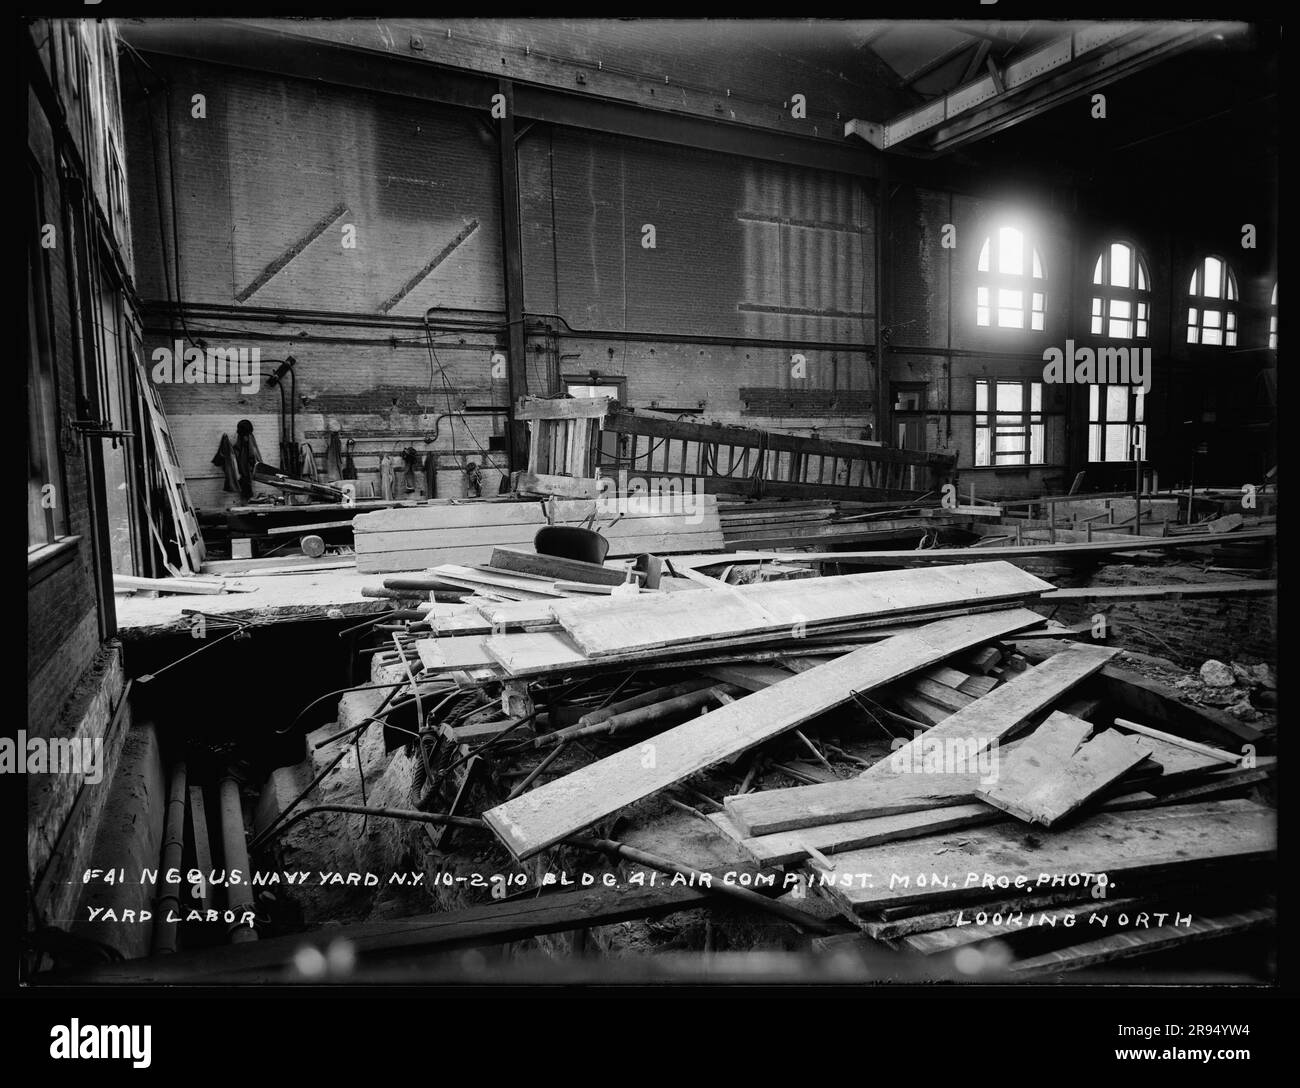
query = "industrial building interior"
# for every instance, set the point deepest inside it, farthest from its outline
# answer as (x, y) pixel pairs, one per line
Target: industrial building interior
(559, 501)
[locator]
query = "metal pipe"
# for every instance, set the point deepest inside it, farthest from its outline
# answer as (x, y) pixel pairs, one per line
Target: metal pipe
(234, 848)
(164, 932)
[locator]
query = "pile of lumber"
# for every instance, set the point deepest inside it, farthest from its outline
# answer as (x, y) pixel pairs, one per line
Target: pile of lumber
(418, 537)
(900, 723)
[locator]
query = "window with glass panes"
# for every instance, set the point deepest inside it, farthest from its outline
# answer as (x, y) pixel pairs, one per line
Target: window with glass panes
(1272, 321)
(1122, 299)
(1008, 422)
(1115, 422)
(1010, 291)
(1211, 315)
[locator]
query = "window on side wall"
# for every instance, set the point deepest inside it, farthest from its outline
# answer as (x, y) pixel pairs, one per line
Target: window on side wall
(1121, 299)
(1115, 422)
(1011, 290)
(1009, 428)
(1212, 305)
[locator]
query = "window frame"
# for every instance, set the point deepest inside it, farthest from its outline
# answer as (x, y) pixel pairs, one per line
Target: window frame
(1032, 287)
(1105, 294)
(1099, 420)
(43, 381)
(1225, 305)
(1272, 319)
(1031, 418)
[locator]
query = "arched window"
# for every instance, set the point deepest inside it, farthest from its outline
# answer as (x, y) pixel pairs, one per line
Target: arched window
(1010, 292)
(1272, 320)
(1211, 312)
(1122, 294)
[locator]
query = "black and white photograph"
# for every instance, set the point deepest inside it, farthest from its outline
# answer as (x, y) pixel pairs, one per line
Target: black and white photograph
(650, 503)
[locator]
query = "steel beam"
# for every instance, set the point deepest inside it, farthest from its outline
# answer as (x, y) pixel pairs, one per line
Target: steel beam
(265, 49)
(1073, 65)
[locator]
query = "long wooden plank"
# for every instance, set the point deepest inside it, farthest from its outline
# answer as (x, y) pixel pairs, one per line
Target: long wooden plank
(544, 816)
(491, 923)
(625, 626)
(1055, 772)
(553, 566)
(989, 720)
(957, 555)
(938, 868)
(1138, 942)
(1243, 587)
(626, 535)
(966, 932)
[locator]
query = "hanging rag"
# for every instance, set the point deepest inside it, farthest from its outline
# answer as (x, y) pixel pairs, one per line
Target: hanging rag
(308, 471)
(430, 475)
(387, 478)
(247, 457)
(349, 465)
(334, 458)
(412, 462)
(225, 460)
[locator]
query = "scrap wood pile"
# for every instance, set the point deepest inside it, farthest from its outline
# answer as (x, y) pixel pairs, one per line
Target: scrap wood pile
(900, 739)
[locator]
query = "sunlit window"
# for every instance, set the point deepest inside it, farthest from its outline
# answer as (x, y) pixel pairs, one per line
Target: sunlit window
(1121, 300)
(1211, 309)
(1010, 292)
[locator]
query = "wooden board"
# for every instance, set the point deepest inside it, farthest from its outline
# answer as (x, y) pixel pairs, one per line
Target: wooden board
(1140, 942)
(573, 570)
(622, 627)
(549, 813)
(1167, 839)
(957, 555)
(785, 847)
(881, 789)
(444, 654)
(1056, 770)
(966, 932)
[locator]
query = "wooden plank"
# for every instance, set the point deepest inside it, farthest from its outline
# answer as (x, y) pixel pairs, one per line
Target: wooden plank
(978, 685)
(545, 408)
(985, 722)
(533, 652)
(621, 627)
(1172, 839)
(544, 816)
(949, 677)
(1055, 772)
(1203, 750)
(957, 555)
(443, 654)
(785, 847)
(1243, 587)
(552, 566)
(1017, 921)
(941, 694)
(1140, 942)
(202, 844)
(478, 926)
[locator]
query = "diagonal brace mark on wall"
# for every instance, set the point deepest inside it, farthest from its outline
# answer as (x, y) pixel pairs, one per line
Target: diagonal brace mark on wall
(439, 257)
(264, 277)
